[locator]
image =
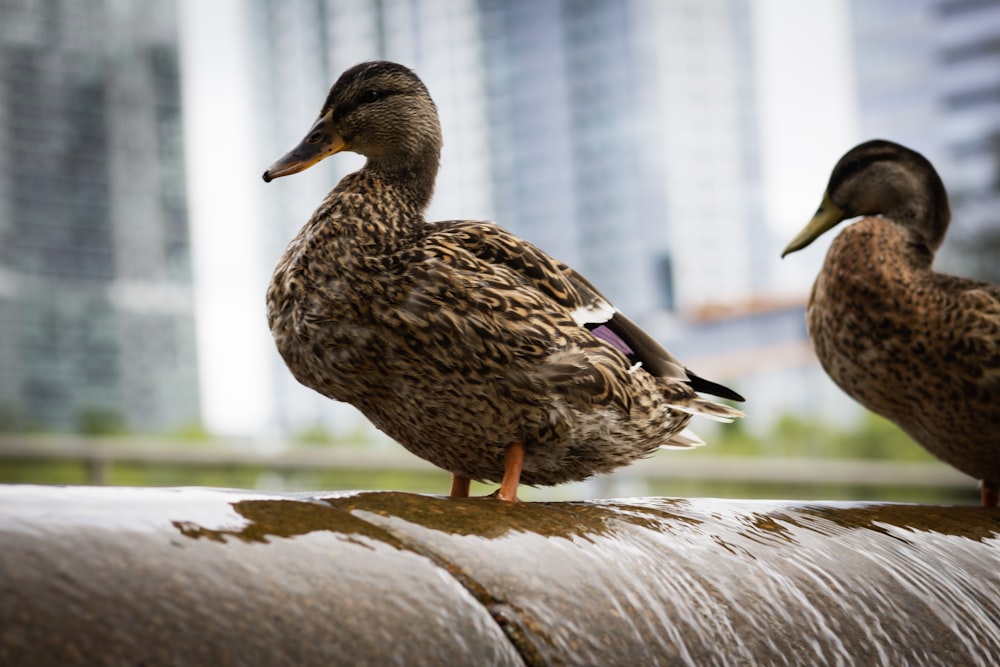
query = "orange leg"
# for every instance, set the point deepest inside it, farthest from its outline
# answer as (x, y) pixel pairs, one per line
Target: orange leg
(991, 493)
(513, 459)
(459, 487)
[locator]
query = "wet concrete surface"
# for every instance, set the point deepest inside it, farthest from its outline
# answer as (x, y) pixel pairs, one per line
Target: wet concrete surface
(115, 576)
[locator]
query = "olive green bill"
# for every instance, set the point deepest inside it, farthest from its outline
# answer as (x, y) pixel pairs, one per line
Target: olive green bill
(827, 216)
(320, 142)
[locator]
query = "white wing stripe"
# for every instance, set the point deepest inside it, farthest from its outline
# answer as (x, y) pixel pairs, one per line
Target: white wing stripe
(596, 312)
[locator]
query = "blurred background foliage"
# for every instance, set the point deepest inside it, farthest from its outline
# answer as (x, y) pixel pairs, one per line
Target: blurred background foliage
(814, 443)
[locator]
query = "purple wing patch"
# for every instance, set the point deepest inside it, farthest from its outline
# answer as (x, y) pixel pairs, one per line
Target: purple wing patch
(608, 336)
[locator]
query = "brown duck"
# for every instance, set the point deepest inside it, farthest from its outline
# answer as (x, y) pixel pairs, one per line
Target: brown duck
(918, 347)
(469, 346)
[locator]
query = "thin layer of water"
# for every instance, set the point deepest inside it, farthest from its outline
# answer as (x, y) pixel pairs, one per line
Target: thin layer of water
(387, 577)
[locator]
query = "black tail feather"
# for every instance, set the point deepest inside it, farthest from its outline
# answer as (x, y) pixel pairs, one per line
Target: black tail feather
(704, 386)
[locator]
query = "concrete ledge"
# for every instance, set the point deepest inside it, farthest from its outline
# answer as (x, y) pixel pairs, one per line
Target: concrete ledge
(113, 576)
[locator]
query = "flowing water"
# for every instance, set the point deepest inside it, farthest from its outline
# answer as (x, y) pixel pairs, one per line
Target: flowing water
(378, 578)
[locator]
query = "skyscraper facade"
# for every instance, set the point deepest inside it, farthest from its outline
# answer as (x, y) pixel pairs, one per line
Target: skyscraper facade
(96, 316)
(928, 76)
(619, 143)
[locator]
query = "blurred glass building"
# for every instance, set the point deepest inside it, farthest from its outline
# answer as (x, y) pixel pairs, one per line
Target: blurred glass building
(96, 315)
(928, 75)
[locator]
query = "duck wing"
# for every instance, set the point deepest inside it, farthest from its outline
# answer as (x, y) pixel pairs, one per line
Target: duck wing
(535, 280)
(969, 323)
(504, 306)
(606, 322)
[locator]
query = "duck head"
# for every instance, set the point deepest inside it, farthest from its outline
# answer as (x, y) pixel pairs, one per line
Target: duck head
(381, 110)
(882, 178)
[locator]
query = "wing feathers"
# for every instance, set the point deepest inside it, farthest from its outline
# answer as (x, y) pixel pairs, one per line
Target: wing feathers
(640, 346)
(587, 307)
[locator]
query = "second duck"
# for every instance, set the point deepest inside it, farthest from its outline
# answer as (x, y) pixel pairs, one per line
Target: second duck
(918, 347)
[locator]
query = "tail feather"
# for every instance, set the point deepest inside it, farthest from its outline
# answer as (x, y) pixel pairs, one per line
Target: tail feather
(706, 408)
(704, 386)
(685, 439)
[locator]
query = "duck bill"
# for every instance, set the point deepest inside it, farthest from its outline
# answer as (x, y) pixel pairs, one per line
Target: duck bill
(827, 217)
(320, 142)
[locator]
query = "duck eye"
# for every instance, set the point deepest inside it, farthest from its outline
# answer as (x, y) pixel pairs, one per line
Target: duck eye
(371, 95)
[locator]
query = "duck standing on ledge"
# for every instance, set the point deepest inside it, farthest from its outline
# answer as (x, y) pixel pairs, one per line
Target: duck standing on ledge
(918, 347)
(469, 346)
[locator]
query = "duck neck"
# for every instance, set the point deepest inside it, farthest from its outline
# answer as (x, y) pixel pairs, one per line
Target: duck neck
(938, 213)
(412, 180)
(925, 217)
(917, 199)
(394, 202)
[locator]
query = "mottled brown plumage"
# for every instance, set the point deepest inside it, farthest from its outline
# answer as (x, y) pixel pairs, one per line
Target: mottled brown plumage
(918, 347)
(469, 346)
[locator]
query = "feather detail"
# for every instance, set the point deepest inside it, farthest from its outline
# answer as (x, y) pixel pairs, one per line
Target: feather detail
(594, 312)
(685, 439)
(704, 386)
(640, 345)
(710, 409)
